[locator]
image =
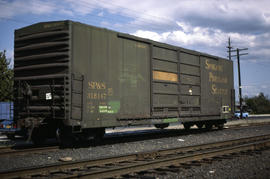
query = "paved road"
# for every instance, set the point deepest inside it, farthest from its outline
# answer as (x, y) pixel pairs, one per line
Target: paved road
(260, 116)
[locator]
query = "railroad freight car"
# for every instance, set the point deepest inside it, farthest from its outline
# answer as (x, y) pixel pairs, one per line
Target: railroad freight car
(73, 79)
(7, 126)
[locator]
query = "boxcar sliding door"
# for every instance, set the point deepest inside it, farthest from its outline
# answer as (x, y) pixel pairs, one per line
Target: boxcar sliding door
(190, 84)
(165, 82)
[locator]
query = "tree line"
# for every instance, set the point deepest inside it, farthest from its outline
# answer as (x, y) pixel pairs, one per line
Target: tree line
(259, 104)
(6, 78)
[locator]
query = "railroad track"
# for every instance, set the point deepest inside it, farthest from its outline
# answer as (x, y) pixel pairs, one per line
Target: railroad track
(13, 150)
(126, 164)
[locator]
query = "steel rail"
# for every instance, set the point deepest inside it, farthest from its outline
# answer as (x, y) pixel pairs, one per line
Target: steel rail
(117, 166)
(11, 151)
(175, 160)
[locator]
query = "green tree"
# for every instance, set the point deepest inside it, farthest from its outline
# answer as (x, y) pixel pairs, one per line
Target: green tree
(259, 104)
(6, 78)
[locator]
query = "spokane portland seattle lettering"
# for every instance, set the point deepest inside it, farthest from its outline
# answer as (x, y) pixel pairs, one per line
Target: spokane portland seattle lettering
(215, 78)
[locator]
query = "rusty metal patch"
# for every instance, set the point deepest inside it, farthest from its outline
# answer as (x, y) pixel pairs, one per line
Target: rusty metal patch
(165, 76)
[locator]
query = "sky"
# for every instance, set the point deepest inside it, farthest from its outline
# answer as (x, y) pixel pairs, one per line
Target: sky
(201, 25)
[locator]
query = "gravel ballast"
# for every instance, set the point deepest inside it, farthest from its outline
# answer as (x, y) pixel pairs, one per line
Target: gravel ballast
(251, 165)
(13, 162)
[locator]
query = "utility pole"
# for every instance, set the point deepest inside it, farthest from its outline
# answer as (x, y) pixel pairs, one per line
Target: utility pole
(230, 48)
(239, 83)
(239, 77)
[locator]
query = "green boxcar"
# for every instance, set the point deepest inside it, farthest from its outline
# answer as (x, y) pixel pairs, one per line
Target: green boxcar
(76, 76)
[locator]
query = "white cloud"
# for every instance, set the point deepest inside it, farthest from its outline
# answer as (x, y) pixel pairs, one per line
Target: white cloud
(66, 12)
(100, 14)
(14, 8)
(109, 25)
(254, 90)
(188, 35)
(168, 12)
(266, 16)
(185, 26)
(209, 13)
(80, 7)
(10, 54)
(264, 52)
(152, 35)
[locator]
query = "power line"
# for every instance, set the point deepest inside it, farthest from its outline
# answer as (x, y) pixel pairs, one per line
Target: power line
(96, 18)
(136, 11)
(142, 19)
(266, 66)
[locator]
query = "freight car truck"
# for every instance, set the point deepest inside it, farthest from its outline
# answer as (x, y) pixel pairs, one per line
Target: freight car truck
(75, 80)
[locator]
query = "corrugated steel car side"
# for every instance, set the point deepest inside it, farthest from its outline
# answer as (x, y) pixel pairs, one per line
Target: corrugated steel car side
(129, 80)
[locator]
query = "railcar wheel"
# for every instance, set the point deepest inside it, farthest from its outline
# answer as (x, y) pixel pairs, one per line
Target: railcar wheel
(199, 126)
(99, 134)
(65, 137)
(162, 126)
(38, 136)
(187, 126)
(208, 126)
(220, 126)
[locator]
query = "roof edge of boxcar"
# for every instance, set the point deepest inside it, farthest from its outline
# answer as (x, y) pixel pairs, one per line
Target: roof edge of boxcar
(40, 26)
(149, 41)
(25, 30)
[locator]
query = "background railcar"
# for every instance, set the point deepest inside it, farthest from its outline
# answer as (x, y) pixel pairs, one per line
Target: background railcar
(73, 79)
(7, 126)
